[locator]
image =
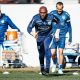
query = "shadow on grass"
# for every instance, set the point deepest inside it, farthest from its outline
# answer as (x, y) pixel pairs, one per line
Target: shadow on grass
(71, 71)
(57, 75)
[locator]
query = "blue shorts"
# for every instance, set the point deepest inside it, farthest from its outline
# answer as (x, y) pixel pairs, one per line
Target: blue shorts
(60, 43)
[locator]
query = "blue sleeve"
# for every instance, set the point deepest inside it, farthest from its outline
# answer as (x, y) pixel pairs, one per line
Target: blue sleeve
(70, 32)
(55, 19)
(69, 29)
(11, 24)
(31, 25)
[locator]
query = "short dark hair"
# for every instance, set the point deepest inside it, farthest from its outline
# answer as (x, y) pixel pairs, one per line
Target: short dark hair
(60, 3)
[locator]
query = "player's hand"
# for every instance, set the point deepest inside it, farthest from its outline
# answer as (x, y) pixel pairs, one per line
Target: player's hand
(52, 35)
(34, 34)
(57, 39)
(57, 34)
(69, 43)
(5, 33)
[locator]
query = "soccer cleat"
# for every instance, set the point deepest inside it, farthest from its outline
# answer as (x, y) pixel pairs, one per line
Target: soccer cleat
(44, 73)
(53, 70)
(40, 73)
(60, 71)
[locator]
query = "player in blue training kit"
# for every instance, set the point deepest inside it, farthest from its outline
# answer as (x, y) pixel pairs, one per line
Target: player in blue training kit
(43, 26)
(5, 22)
(65, 26)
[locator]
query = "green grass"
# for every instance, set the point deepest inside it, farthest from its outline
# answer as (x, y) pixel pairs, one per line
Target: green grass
(32, 74)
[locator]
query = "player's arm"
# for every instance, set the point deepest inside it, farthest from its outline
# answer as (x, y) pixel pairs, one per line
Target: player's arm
(69, 29)
(11, 24)
(30, 27)
(56, 20)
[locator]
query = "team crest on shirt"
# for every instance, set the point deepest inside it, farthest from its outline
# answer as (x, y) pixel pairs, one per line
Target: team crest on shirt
(2, 21)
(49, 22)
(63, 17)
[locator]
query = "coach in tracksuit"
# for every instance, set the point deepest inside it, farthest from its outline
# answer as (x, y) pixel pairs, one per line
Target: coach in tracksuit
(5, 22)
(43, 26)
(65, 26)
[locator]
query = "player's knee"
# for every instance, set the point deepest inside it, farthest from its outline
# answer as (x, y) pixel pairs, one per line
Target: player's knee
(60, 51)
(54, 56)
(61, 54)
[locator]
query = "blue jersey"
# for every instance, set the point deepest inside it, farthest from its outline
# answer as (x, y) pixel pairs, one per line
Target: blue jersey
(64, 22)
(5, 21)
(42, 26)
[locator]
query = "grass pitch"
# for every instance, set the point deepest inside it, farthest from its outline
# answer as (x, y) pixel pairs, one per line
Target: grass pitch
(32, 74)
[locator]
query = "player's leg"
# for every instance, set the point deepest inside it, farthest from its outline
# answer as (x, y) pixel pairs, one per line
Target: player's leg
(61, 57)
(54, 58)
(53, 47)
(60, 61)
(41, 50)
(47, 53)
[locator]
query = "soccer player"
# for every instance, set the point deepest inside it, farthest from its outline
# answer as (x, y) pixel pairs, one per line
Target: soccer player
(5, 22)
(43, 26)
(65, 26)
